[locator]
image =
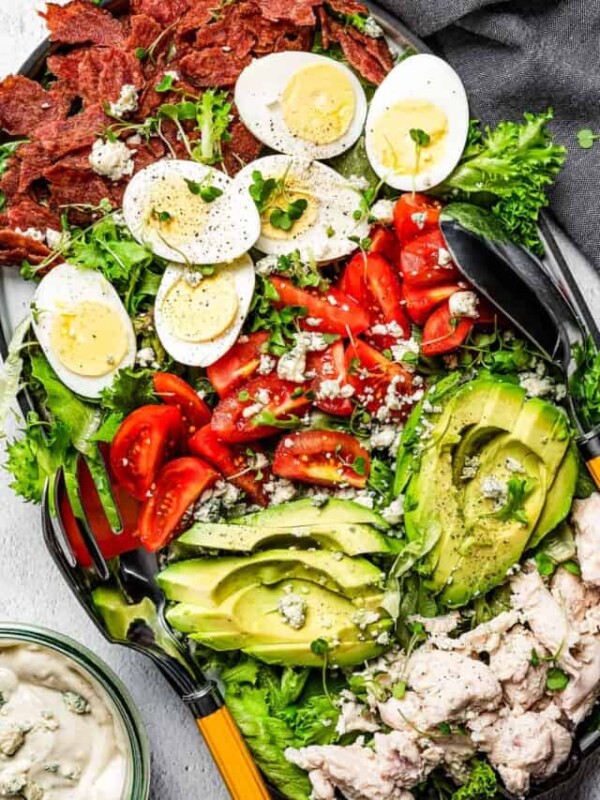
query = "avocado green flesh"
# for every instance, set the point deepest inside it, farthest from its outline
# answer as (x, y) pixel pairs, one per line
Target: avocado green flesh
(305, 512)
(251, 619)
(209, 581)
(559, 499)
(118, 616)
(476, 543)
(353, 539)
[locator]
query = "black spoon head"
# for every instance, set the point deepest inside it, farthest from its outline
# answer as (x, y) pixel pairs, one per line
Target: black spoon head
(512, 279)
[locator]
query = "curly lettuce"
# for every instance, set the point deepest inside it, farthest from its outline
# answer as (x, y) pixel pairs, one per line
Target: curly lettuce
(509, 169)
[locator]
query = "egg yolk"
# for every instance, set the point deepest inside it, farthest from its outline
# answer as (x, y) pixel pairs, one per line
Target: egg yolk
(201, 312)
(394, 146)
(175, 215)
(318, 103)
(89, 339)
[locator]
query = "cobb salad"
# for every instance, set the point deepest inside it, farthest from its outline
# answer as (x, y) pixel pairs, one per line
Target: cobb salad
(248, 340)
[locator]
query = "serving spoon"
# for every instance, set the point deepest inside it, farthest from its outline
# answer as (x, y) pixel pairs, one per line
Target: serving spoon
(517, 284)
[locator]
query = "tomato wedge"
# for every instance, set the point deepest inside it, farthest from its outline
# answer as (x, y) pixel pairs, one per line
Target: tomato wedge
(147, 438)
(248, 469)
(421, 300)
(238, 364)
(180, 483)
(414, 215)
(235, 419)
(331, 311)
(385, 242)
(426, 261)
(372, 281)
(174, 391)
(330, 387)
(328, 458)
(383, 387)
(110, 545)
(443, 332)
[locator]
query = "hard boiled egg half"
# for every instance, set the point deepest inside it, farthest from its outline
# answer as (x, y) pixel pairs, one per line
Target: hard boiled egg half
(190, 213)
(198, 316)
(417, 124)
(83, 328)
(330, 224)
(301, 104)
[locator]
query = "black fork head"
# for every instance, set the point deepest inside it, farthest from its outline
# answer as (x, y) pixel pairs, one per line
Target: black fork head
(134, 580)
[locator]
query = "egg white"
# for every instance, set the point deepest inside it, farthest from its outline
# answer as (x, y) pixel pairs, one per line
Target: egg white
(328, 237)
(64, 287)
(202, 354)
(429, 78)
(231, 227)
(258, 93)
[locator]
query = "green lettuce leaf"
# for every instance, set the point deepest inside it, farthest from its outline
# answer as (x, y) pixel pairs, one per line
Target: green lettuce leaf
(36, 456)
(509, 168)
(268, 736)
(482, 784)
(10, 374)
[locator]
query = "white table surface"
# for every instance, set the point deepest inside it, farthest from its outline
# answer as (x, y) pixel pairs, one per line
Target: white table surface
(31, 590)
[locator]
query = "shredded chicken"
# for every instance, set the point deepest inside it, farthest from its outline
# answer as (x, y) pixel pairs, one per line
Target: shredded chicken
(354, 716)
(451, 684)
(523, 747)
(360, 773)
(522, 682)
(583, 689)
(546, 617)
(573, 595)
(586, 519)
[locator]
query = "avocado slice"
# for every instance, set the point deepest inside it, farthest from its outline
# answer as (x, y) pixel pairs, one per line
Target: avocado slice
(559, 498)
(305, 512)
(469, 543)
(118, 616)
(249, 620)
(208, 582)
(353, 539)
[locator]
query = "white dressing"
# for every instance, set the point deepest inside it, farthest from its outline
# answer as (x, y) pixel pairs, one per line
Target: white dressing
(59, 737)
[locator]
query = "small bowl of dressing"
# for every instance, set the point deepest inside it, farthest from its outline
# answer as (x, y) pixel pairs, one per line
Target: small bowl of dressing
(69, 729)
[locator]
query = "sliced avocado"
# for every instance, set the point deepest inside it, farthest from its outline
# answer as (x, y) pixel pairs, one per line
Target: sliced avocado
(470, 545)
(559, 498)
(117, 614)
(208, 582)
(305, 512)
(490, 545)
(251, 621)
(353, 539)
(347, 654)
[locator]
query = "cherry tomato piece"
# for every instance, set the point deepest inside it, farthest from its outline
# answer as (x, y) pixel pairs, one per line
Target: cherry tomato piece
(327, 458)
(383, 387)
(237, 418)
(238, 364)
(247, 468)
(443, 333)
(174, 391)
(426, 261)
(330, 387)
(375, 284)
(179, 484)
(422, 300)
(334, 310)
(147, 438)
(110, 544)
(385, 242)
(414, 215)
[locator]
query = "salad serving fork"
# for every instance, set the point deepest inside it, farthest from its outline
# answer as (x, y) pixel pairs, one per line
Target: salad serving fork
(152, 636)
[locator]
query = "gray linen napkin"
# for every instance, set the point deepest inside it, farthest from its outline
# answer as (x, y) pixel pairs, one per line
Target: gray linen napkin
(526, 55)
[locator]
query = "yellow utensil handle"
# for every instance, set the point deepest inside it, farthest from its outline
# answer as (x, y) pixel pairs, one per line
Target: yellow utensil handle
(593, 466)
(232, 757)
